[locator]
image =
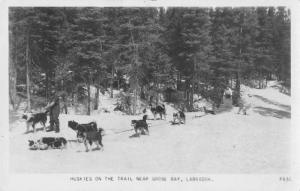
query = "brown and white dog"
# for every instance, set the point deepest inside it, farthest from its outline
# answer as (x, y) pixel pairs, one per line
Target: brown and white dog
(47, 142)
(178, 118)
(140, 126)
(33, 118)
(159, 109)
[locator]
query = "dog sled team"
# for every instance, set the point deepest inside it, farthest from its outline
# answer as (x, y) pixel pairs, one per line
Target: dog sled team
(90, 134)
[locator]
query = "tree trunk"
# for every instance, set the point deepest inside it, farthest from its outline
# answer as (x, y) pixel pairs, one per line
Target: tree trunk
(260, 82)
(135, 83)
(237, 89)
(73, 95)
(47, 86)
(27, 76)
(65, 106)
(192, 97)
(178, 81)
(89, 99)
(187, 99)
(143, 92)
(112, 82)
(13, 60)
(135, 101)
(96, 104)
(12, 83)
(238, 73)
(118, 84)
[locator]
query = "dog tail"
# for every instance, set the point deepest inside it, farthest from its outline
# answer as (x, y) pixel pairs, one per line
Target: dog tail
(100, 131)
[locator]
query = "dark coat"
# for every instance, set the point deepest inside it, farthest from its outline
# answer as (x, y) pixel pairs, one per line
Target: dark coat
(54, 108)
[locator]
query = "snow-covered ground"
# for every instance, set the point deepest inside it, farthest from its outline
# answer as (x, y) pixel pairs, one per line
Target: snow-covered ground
(223, 143)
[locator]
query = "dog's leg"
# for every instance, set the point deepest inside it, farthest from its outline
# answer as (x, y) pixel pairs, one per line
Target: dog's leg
(44, 125)
(63, 146)
(33, 126)
(27, 127)
(98, 145)
(138, 133)
(147, 130)
(240, 109)
(100, 142)
(245, 111)
(86, 146)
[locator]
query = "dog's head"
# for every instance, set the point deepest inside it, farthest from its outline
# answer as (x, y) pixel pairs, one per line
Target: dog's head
(33, 145)
(28, 116)
(30, 143)
(24, 116)
(145, 117)
(133, 122)
(73, 125)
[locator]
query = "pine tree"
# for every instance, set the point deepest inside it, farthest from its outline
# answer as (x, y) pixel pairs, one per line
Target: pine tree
(282, 44)
(197, 43)
(86, 37)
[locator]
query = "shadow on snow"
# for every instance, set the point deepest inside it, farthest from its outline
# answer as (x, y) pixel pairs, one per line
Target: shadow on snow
(272, 112)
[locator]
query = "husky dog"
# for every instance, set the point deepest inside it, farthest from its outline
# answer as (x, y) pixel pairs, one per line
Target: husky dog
(33, 118)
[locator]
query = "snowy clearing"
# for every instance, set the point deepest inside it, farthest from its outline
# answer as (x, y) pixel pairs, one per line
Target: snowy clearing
(223, 143)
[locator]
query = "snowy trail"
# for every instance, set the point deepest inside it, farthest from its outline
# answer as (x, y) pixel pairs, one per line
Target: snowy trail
(223, 143)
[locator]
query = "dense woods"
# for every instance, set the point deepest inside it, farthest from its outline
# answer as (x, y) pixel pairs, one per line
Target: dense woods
(149, 53)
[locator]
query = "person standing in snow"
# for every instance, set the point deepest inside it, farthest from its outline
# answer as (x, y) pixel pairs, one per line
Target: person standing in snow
(228, 93)
(227, 99)
(54, 110)
(244, 104)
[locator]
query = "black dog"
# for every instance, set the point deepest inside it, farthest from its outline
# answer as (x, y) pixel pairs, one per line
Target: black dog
(91, 137)
(140, 126)
(178, 117)
(92, 126)
(34, 118)
(46, 142)
(209, 111)
(88, 133)
(159, 109)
